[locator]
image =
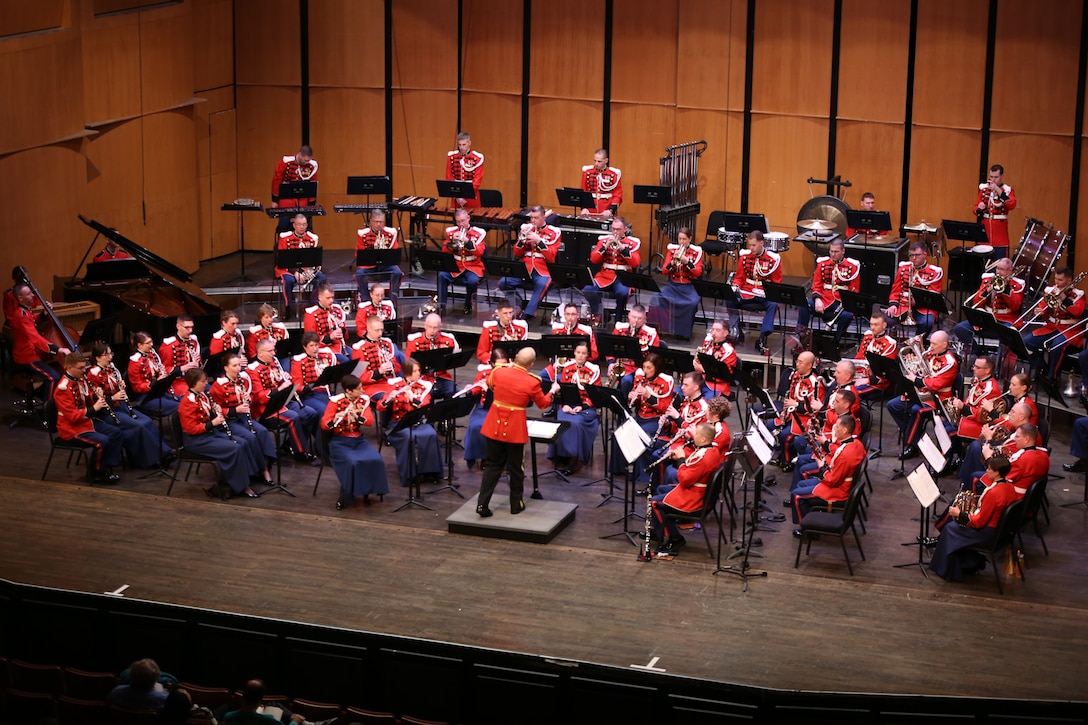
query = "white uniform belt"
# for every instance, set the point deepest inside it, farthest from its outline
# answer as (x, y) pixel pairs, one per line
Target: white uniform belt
(603, 195)
(468, 258)
(699, 485)
(1002, 311)
(996, 216)
(538, 255)
(1019, 490)
(623, 267)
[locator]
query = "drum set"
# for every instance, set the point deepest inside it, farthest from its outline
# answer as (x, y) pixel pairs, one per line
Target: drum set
(734, 241)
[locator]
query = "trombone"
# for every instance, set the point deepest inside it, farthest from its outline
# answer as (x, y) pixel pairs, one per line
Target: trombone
(1052, 302)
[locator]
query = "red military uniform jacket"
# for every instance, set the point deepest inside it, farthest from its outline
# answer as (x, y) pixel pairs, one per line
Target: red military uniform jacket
(29, 345)
(995, 219)
(585, 374)
(404, 403)
(105, 255)
(692, 479)
(386, 311)
(418, 341)
(468, 248)
(373, 352)
(229, 394)
(265, 379)
(143, 370)
(277, 332)
(606, 187)
(683, 267)
(345, 426)
(723, 440)
(579, 329)
(828, 278)
(537, 255)
(75, 401)
(1026, 400)
(692, 413)
(625, 257)
(981, 390)
(196, 412)
(804, 389)
(494, 332)
(221, 342)
(724, 353)
(466, 167)
(369, 239)
(882, 345)
(1069, 311)
(944, 367)
(288, 169)
(752, 272)
(109, 379)
(1028, 465)
(1004, 306)
(991, 503)
(175, 352)
(290, 240)
(647, 338)
(658, 394)
(514, 388)
(930, 277)
(835, 484)
(305, 370)
(323, 321)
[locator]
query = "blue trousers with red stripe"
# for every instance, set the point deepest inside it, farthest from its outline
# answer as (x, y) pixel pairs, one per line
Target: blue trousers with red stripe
(106, 441)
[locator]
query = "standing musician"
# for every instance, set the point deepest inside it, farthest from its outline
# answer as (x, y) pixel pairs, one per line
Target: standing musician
(1061, 309)
(358, 466)
(140, 435)
(268, 376)
(995, 200)
(111, 251)
(506, 428)
(836, 472)
(833, 273)
(689, 493)
(265, 327)
(683, 264)
(570, 326)
(999, 293)
(694, 410)
(181, 353)
(804, 397)
(380, 355)
(877, 341)
(375, 306)
(475, 445)
(77, 405)
(996, 436)
(468, 245)
(306, 368)
(944, 366)
(464, 164)
(916, 272)
(432, 338)
(647, 337)
(984, 388)
(616, 250)
(145, 367)
(378, 236)
(717, 346)
(537, 244)
(298, 167)
(329, 321)
(29, 347)
(204, 430)
(297, 238)
(868, 203)
(574, 448)
(503, 328)
(755, 266)
(650, 398)
(416, 447)
(604, 183)
(233, 392)
(228, 337)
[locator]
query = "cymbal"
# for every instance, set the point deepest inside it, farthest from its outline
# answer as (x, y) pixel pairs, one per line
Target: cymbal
(816, 225)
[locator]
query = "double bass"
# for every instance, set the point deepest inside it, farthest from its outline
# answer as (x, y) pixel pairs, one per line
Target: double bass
(49, 325)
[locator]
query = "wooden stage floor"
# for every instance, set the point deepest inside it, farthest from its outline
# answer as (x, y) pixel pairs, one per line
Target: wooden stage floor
(581, 597)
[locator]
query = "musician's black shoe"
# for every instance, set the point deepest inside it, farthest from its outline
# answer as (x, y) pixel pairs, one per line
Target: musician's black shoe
(761, 345)
(517, 508)
(736, 336)
(103, 479)
(340, 505)
(676, 542)
(1080, 466)
(910, 452)
(168, 459)
(366, 499)
(551, 412)
(467, 308)
(787, 502)
(786, 467)
(527, 317)
(112, 477)
(483, 511)
(304, 457)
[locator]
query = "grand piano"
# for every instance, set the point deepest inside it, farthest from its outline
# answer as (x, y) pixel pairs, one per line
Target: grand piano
(145, 292)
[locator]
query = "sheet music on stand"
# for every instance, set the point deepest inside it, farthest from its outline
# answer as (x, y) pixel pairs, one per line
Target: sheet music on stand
(761, 426)
(933, 457)
(924, 487)
(544, 429)
(943, 440)
(758, 442)
(633, 441)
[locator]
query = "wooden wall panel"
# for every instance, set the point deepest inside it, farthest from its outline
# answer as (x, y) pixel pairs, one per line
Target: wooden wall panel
(111, 71)
(710, 54)
(873, 61)
(1082, 206)
(347, 43)
(114, 178)
(424, 44)
(29, 117)
(266, 42)
(871, 155)
(644, 50)
(792, 63)
(421, 139)
(553, 123)
(720, 164)
(166, 57)
(951, 63)
(170, 189)
(215, 125)
(640, 134)
(102, 7)
(943, 174)
(1045, 66)
(494, 120)
(1039, 169)
(566, 51)
(491, 58)
(265, 134)
(213, 60)
(23, 17)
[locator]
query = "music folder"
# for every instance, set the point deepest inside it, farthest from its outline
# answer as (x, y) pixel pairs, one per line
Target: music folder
(660, 195)
(455, 189)
(578, 198)
(569, 394)
(377, 257)
(298, 190)
(367, 185)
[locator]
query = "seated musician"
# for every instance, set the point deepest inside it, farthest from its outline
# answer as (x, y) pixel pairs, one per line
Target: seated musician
(996, 436)
(468, 245)
(111, 251)
(464, 164)
(842, 382)
(574, 448)
(475, 445)
(647, 337)
(29, 348)
(717, 346)
(692, 478)
(836, 472)
(650, 397)
(432, 338)
(833, 273)
(680, 425)
(418, 455)
(141, 438)
(683, 264)
(265, 327)
(77, 420)
(717, 413)
(804, 396)
(228, 337)
(876, 341)
(843, 378)
(1000, 293)
(755, 266)
(1030, 461)
(374, 305)
(1061, 310)
(268, 376)
(616, 250)
(1078, 447)
(145, 367)
(11, 302)
(952, 559)
(934, 389)
(570, 326)
(378, 236)
(868, 203)
(358, 466)
(605, 183)
(806, 467)
(233, 392)
(972, 413)
(916, 272)
(180, 353)
(204, 430)
(504, 327)
(380, 355)
(297, 238)
(300, 166)
(329, 321)
(1020, 392)
(306, 368)
(537, 245)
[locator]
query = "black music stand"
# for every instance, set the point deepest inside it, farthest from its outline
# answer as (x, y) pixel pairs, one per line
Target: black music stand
(100, 329)
(619, 407)
(753, 468)
(441, 359)
(755, 394)
(825, 347)
(785, 294)
(858, 304)
(369, 185)
(639, 281)
(655, 196)
(620, 347)
(716, 291)
(410, 420)
(333, 374)
(577, 198)
(500, 268)
(901, 385)
(715, 369)
(533, 440)
(242, 208)
(867, 221)
(156, 390)
(436, 261)
(378, 257)
(744, 223)
(930, 300)
(553, 346)
(881, 368)
(450, 410)
(299, 190)
(965, 231)
(213, 364)
(455, 189)
(676, 362)
(569, 276)
(276, 402)
(295, 259)
(511, 347)
(604, 400)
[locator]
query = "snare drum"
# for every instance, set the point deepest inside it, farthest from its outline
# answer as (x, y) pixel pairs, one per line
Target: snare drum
(732, 241)
(776, 241)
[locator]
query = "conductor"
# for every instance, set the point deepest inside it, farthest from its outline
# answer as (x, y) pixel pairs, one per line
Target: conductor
(506, 430)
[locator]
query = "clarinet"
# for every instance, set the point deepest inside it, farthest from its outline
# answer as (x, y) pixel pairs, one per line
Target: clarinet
(644, 552)
(101, 394)
(121, 385)
(216, 412)
(243, 395)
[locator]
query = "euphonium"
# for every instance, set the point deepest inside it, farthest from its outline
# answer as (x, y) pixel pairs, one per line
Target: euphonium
(428, 307)
(966, 501)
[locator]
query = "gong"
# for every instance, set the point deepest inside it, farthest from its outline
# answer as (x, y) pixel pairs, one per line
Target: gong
(828, 208)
